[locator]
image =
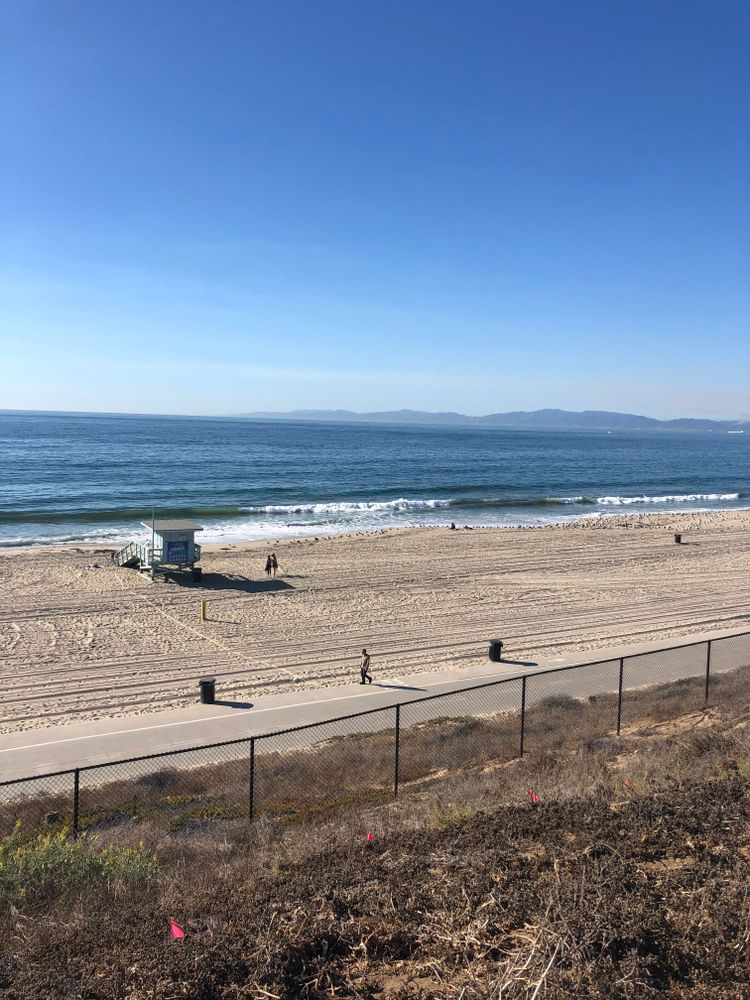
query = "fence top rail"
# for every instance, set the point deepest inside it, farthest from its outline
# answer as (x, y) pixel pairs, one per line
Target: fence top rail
(496, 682)
(240, 739)
(40, 777)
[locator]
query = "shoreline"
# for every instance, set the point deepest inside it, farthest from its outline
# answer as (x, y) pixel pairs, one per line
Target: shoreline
(83, 639)
(617, 518)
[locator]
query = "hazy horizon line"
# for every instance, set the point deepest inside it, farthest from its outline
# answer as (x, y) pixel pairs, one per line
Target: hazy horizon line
(270, 414)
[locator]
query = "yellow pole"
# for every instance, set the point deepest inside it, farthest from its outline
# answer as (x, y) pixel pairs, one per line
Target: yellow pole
(203, 611)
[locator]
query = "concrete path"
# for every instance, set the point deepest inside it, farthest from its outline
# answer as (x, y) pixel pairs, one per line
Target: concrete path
(56, 748)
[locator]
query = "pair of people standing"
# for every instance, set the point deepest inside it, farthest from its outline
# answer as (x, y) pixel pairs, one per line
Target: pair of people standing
(272, 565)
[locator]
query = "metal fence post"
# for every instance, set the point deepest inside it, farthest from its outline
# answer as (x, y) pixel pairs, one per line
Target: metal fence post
(251, 782)
(522, 738)
(398, 750)
(619, 694)
(708, 671)
(76, 797)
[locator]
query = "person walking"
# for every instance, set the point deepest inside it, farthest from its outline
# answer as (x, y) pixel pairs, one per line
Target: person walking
(269, 566)
(364, 668)
(274, 564)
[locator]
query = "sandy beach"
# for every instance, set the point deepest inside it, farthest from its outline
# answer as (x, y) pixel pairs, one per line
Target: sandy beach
(80, 638)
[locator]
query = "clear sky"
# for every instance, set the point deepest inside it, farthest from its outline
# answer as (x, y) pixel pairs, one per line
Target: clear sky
(224, 206)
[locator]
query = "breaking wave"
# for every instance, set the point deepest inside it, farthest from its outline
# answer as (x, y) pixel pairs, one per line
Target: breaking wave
(353, 507)
(678, 498)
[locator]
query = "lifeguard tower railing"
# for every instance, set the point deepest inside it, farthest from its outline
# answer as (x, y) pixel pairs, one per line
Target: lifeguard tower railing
(143, 555)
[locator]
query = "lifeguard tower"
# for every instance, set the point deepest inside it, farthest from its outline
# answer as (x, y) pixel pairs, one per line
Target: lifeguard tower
(172, 544)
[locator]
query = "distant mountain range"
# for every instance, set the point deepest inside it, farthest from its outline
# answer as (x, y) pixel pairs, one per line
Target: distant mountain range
(590, 420)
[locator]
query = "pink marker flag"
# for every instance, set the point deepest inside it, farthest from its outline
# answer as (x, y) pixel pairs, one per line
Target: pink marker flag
(533, 796)
(628, 782)
(177, 932)
(370, 838)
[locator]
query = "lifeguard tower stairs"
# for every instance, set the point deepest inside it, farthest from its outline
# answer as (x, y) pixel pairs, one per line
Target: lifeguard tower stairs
(172, 545)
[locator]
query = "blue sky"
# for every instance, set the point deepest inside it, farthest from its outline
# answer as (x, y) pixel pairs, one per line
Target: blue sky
(222, 207)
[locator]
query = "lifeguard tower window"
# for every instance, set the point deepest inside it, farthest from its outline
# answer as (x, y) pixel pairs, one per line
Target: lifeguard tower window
(172, 543)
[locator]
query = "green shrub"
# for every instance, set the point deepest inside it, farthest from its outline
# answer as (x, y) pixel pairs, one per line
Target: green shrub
(449, 815)
(52, 864)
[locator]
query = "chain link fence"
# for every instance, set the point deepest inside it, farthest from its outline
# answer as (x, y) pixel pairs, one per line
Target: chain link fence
(664, 683)
(36, 803)
(576, 703)
(312, 771)
(726, 688)
(319, 769)
(175, 791)
(461, 729)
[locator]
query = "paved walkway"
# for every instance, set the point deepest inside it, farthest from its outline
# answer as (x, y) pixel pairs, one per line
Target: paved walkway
(56, 748)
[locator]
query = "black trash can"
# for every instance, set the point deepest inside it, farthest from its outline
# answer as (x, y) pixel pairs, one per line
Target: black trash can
(678, 538)
(208, 690)
(197, 573)
(496, 650)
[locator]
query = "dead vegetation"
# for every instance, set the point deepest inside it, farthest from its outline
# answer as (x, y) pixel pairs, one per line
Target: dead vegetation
(628, 879)
(315, 774)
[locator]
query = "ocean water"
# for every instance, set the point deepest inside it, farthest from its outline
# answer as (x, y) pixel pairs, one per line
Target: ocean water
(90, 478)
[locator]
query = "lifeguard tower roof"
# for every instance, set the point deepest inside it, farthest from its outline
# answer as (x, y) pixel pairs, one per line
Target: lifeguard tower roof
(175, 525)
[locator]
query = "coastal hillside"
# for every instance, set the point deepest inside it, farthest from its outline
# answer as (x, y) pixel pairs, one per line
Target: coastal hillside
(547, 419)
(623, 875)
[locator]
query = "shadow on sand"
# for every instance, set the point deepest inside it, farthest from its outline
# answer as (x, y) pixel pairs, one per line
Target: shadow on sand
(225, 581)
(519, 663)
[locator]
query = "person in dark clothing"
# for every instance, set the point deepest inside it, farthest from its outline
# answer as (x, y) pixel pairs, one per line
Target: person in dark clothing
(269, 566)
(364, 668)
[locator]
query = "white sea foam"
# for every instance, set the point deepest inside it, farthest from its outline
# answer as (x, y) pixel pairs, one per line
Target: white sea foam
(679, 498)
(353, 507)
(258, 530)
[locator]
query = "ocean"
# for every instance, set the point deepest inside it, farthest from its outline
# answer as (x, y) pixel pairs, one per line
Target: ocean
(86, 479)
